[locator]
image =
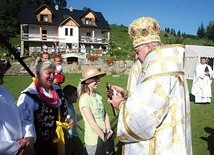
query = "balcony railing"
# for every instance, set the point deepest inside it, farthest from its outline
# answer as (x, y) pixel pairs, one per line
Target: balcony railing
(87, 39)
(38, 37)
(55, 37)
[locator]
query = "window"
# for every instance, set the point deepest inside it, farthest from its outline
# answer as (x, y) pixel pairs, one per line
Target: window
(66, 31)
(88, 21)
(44, 18)
(88, 34)
(71, 32)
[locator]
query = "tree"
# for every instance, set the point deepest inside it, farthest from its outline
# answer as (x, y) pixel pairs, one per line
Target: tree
(166, 35)
(85, 8)
(210, 30)
(179, 33)
(61, 3)
(10, 14)
(9, 17)
(201, 31)
(167, 30)
(173, 32)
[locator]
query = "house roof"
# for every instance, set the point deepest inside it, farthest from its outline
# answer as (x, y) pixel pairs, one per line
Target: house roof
(28, 16)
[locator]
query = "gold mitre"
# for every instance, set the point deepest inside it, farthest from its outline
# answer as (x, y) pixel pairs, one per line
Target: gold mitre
(144, 30)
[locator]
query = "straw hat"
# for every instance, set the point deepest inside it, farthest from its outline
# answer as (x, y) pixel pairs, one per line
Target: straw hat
(144, 30)
(91, 72)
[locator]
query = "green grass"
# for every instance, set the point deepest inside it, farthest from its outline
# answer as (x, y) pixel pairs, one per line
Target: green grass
(202, 117)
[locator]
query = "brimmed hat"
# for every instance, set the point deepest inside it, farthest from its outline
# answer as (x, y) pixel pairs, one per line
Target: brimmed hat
(144, 30)
(90, 72)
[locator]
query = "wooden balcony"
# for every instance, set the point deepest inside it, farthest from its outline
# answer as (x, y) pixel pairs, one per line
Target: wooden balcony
(55, 38)
(87, 39)
(38, 37)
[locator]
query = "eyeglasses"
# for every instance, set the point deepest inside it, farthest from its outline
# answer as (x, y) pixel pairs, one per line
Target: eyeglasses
(95, 79)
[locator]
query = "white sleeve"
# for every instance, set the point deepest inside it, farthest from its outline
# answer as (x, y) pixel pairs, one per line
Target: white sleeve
(26, 107)
(144, 110)
(8, 147)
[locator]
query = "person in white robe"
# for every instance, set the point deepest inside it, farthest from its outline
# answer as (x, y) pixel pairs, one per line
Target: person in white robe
(155, 117)
(134, 74)
(12, 141)
(202, 80)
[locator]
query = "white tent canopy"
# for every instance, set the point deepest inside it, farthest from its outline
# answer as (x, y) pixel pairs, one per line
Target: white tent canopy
(193, 53)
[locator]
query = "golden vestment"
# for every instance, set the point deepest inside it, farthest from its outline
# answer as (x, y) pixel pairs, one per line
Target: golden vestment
(155, 120)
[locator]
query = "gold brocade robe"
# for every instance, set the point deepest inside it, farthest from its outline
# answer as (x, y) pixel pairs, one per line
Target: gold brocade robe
(155, 120)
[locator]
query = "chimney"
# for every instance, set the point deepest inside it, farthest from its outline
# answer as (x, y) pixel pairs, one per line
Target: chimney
(71, 8)
(56, 7)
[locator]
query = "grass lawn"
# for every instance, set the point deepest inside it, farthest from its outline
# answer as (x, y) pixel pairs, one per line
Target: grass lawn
(202, 115)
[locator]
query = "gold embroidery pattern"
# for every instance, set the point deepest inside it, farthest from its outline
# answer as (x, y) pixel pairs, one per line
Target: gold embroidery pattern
(163, 74)
(172, 111)
(122, 137)
(169, 46)
(128, 130)
(160, 92)
(162, 60)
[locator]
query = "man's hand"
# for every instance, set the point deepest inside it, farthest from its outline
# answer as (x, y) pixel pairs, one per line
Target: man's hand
(71, 123)
(118, 89)
(116, 100)
(26, 146)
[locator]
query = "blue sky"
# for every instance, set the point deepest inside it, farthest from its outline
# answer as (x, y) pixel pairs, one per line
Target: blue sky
(183, 15)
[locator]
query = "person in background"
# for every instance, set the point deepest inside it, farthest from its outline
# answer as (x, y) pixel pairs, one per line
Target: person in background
(44, 48)
(67, 50)
(43, 110)
(201, 86)
(96, 119)
(155, 118)
(59, 76)
(74, 143)
(44, 56)
(18, 50)
(53, 49)
(12, 140)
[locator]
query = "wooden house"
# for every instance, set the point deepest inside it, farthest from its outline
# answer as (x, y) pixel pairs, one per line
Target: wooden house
(62, 30)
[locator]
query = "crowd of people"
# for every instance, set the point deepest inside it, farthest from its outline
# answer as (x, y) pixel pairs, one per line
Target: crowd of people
(153, 113)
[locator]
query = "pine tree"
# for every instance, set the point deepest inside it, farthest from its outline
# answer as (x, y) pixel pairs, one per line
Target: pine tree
(61, 3)
(179, 33)
(210, 30)
(10, 14)
(201, 31)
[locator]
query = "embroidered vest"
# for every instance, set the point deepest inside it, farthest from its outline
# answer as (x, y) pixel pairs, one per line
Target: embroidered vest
(45, 117)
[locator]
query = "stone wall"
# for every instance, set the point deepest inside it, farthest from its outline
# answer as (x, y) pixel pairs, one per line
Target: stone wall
(115, 67)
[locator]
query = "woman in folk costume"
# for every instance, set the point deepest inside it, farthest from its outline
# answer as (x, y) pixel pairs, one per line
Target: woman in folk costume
(155, 117)
(201, 86)
(43, 111)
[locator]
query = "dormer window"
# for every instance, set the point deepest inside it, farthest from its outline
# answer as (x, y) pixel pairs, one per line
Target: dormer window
(44, 18)
(88, 21)
(44, 14)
